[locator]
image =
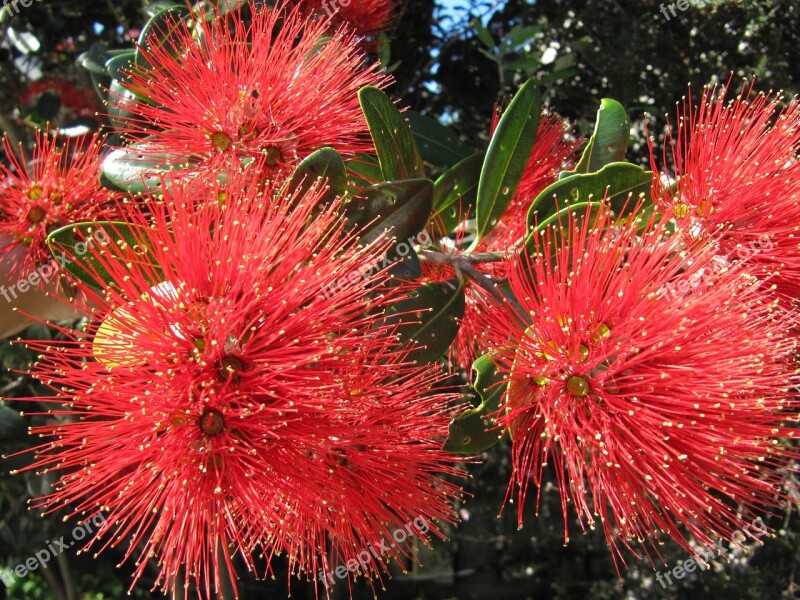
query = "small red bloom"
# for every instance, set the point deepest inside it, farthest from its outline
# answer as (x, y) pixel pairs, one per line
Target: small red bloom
(229, 404)
(738, 180)
(367, 18)
(261, 88)
(59, 186)
(80, 102)
(655, 387)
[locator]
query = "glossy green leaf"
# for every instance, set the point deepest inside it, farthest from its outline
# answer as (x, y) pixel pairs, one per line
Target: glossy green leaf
(609, 142)
(397, 152)
(119, 65)
(472, 431)
(520, 35)
(400, 209)
(160, 30)
(325, 164)
(151, 9)
(562, 216)
(136, 168)
(620, 183)
(121, 102)
(406, 267)
(430, 317)
(76, 246)
(484, 35)
(362, 172)
(437, 144)
(384, 49)
(507, 157)
(560, 219)
(456, 191)
(95, 58)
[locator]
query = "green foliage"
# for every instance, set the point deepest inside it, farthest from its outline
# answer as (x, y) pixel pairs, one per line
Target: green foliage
(473, 430)
(397, 151)
(324, 167)
(507, 157)
(70, 245)
(429, 318)
(456, 191)
(609, 141)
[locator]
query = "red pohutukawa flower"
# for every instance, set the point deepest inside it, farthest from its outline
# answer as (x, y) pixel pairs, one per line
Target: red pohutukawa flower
(228, 403)
(58, 186)
(261, 87)
(659, 405)
(738, 179)
(367, 18)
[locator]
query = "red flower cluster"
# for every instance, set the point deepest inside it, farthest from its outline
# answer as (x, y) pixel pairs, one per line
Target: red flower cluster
(737, 179)
(81, 102)
(367, 18)
(60, 185)
(225, 406)
(261, 87)
(655, 413)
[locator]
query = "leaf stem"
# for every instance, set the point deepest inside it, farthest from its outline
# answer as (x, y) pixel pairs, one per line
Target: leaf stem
(465, 264)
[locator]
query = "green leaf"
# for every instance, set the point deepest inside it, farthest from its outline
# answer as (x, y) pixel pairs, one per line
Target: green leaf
(362, 172)
(484, 35)
(399, 208)
(437, 144)
(609, 142)
(430, 317)
(507, 157)
(456, 191)
(618, 182)
(160, 30)
(521, 35)
(119, 65)
(151, 9)
(384, 49)
(95, 58)
(324, 164)
(136, 168)
(562, 215)
(397, 152)
(76, 247)
(527, 64)
(406, 267)
(470, 431)
(120, 103)
(12, 424)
